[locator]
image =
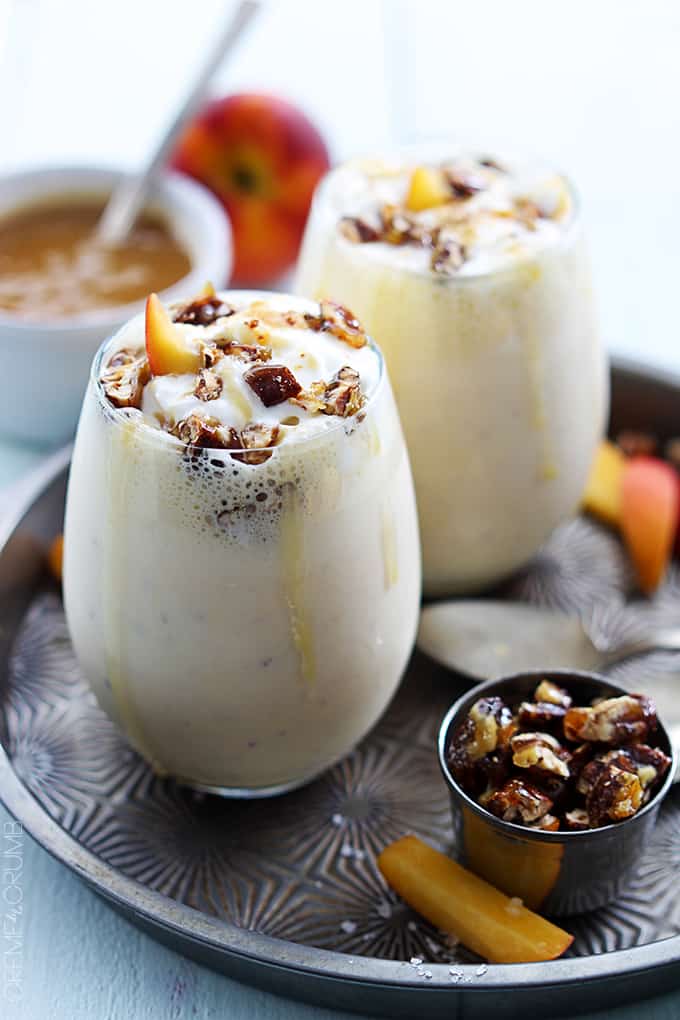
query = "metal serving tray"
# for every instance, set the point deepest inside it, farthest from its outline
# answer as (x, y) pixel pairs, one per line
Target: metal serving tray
(285, 893)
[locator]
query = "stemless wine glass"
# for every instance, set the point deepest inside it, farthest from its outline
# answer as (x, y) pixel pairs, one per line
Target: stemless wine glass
(499, 375)
(244, 624)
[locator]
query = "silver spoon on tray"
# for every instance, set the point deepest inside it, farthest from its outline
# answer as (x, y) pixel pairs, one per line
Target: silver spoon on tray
(482, 639)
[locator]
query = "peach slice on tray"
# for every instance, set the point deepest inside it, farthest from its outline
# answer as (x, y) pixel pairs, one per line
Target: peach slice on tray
(495, 926)
(428, 187)
(167, 350)
(55, 557)
(649, 517)
(602, 497)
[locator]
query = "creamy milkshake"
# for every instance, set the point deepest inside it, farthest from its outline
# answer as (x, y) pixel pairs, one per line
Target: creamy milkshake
(241, 570)
(472, 276)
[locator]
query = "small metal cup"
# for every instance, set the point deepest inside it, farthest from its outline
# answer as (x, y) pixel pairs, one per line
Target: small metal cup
(559, 873)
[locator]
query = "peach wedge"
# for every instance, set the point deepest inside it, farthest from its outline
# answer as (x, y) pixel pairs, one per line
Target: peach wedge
(602, 497)
(454, 900)
(649, 517)
(427, 188)
(166, 348)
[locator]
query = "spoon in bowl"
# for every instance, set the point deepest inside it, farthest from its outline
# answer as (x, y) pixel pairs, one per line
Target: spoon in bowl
(128, 197)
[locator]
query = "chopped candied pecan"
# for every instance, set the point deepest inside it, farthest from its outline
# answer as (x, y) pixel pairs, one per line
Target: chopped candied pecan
(649, 764)
(208, 385)
(210, 355)
(463, 183)
(196, 431)
(313, 399)
(273, 384)
(517, 801)
(125, 377)
(549, 823)
(448, 254)
(258, 439)
(637, 444)
(540, 751)
(489, 771)
(396, 226)
(357, 230)
(479, 751)
(203, 311)
(552, 694)
(630, 717)
(339, 321)
(541, 713)
(274, 317)
(580, 756)
(577, 819)
(493, 726)
(527, 212)
(615, 795)
(492, 164)
(343, 394)
(248, 352)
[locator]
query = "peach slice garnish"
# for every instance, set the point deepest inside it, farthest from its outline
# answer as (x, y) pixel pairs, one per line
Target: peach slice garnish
(167, 350)
(206, 291)
(428, 187)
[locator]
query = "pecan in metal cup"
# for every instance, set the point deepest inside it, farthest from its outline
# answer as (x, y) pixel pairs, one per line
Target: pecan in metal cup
(558, 821)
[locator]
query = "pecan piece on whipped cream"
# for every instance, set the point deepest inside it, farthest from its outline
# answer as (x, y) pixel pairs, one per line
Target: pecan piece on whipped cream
(257, 439)
(339, 321)
(248, 352)
(273, 384)
(463, 183)
(203, 311)
(448, 254)
(355, 229)
(343, 394)
(208, 385)
(125, 377)
(196, 431)
(313, 399)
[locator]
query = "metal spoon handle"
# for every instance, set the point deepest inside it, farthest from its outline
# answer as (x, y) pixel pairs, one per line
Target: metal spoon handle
(128, 198)
(667, 640)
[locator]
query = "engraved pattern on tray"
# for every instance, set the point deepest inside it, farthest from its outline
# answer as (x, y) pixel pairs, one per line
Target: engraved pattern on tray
(302, 867)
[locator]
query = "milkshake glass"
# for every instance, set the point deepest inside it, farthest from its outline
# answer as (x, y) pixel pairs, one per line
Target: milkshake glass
(242, 575)
(472, 275)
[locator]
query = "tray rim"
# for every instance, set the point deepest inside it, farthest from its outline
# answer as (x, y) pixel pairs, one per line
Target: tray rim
(155, 910)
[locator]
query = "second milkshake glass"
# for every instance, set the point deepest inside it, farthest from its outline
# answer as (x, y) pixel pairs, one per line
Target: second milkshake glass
(500, 379)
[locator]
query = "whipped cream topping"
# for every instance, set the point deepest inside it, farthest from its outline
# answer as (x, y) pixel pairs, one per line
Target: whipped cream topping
(497, 212)
(263, 341)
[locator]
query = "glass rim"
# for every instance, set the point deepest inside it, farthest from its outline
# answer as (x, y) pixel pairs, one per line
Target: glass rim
(406, 156)
(154, 434)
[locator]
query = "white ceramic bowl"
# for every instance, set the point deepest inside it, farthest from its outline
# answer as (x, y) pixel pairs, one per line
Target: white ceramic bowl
(45, 364)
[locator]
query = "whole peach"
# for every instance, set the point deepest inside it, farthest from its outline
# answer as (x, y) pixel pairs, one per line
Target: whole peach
(262, 157)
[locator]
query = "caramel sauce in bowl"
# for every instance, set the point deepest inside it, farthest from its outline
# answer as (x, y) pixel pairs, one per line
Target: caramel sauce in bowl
(52, 264)
(62, 292)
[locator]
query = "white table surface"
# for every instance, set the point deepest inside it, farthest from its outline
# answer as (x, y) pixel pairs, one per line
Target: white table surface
(592, 86)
